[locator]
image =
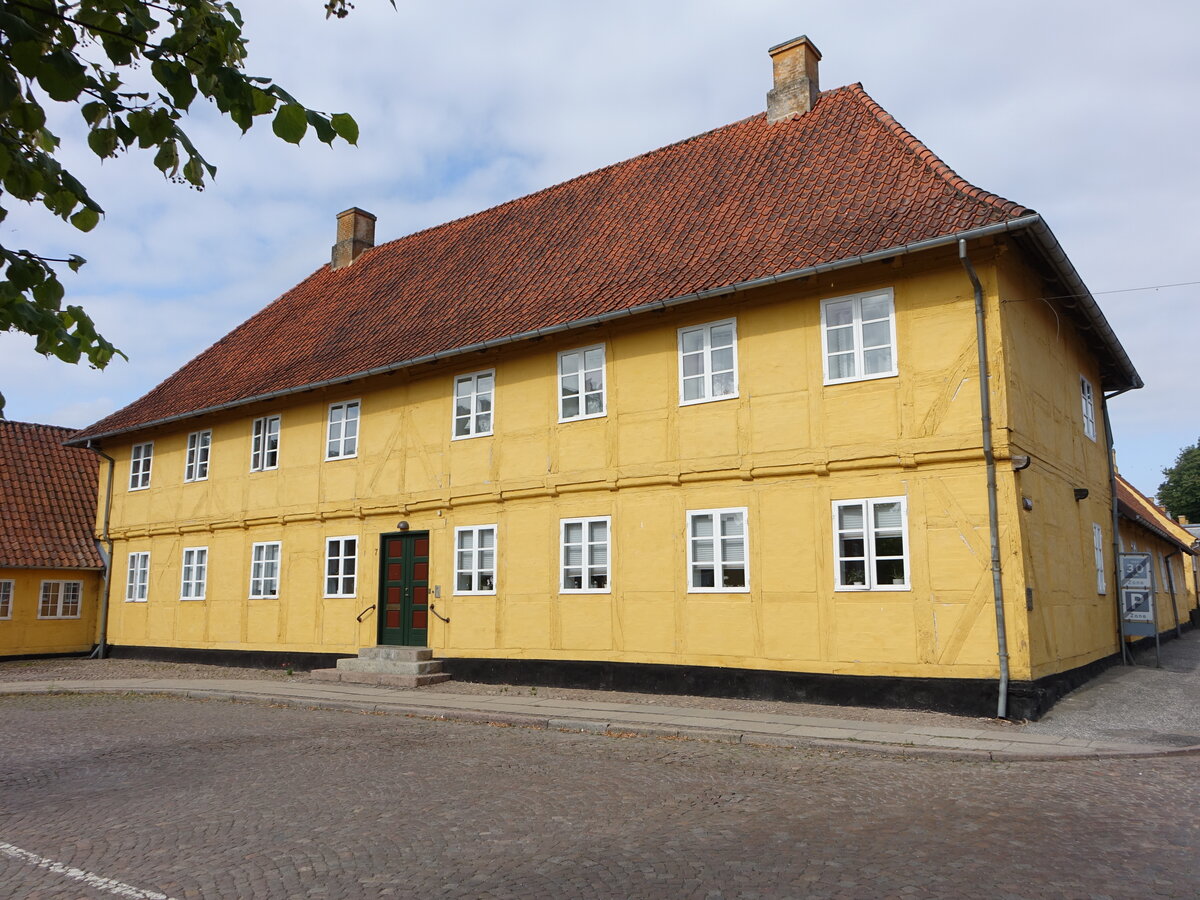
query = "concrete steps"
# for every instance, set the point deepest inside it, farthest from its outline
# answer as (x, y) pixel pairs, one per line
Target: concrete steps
(392, 666)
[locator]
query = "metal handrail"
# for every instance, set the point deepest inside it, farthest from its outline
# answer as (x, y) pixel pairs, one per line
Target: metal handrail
(359, 617)
(433, 610)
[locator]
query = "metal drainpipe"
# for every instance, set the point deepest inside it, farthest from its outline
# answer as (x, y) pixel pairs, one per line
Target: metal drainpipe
(989, 459)
(106, 552)
(1116, 519)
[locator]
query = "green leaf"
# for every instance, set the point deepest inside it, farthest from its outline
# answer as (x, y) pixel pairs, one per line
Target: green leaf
(345, 126)
(166, 160)
(103, 142)
(76, 262)
(177, 80)
(325, 132)
(50, 292)
(94, 113)
(61, 75)
(26, 57)
(290, 123)
(86, 219)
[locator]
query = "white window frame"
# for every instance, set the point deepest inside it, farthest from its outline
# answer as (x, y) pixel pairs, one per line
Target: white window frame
(263, 457)
(338, 560)
(472, 418)
(856, 327)
(137, 577)
(1087, 397)
(587, 569)
(705, 353)
(7, 586)
(341, 437)
(193, 574)
(475, 570)
(265, 569)
(141, 459)
(581, 373)
(61, 600)
(199, 449)
(868, 505)
(719, 563)
(1098, 553)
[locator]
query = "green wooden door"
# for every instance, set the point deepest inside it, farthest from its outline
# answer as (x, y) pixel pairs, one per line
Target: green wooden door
(404, 589)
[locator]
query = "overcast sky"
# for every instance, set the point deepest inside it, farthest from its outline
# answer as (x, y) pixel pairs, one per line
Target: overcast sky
(1088, 112)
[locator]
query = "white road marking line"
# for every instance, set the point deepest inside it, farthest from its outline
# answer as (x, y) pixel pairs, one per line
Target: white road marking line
(117, 888)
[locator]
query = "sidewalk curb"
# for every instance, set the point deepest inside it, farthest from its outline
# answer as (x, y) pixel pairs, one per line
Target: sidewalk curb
(615, 727)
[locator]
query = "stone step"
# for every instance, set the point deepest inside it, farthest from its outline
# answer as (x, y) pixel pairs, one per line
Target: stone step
(392, 666)
(388, 679)
(402, 654)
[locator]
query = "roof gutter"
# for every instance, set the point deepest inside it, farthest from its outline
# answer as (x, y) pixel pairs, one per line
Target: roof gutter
(1032, 222)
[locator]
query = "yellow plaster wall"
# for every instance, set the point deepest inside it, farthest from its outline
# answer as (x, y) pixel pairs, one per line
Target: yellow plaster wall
(26, 634)
(1135, 538)
(1070, 622)
(785, 448)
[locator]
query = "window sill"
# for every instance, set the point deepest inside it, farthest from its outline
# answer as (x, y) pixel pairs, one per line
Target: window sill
(713, 590)
(467, 437)
(830, 382)
(701, 400)
(599, 415)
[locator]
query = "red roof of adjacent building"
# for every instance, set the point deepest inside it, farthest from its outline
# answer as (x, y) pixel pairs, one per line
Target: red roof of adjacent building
(1137, 507)
(47, 499)
(745, 201)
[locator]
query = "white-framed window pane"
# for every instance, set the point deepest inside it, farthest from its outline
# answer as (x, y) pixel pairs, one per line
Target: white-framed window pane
(341, 437)
(6, 599)
(859, 337)
(140, 460)
(264, 444)
(1098, 549)
(475, 560)
(473, 404)
(264, 570)
(199, 445)
(194, 577)
(708, 362)
(870, 544)
(585, 554)
(1088, 400)
(137, 581)
(717, 550)
(341, 566)
(581, 383)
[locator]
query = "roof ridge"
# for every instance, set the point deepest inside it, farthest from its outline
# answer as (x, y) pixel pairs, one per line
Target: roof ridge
(38, 425)
(559, 184)
(935, 163)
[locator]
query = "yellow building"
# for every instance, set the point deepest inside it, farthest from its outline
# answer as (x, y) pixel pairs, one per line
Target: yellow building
(1144, 528)
(708, 419)
(50, 565)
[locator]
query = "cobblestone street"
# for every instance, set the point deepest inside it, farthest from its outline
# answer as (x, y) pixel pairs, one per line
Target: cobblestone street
(104, 796)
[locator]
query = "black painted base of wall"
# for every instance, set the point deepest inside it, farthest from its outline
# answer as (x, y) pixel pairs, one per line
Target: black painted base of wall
(78, 654)
(961, 696)
(253, 659)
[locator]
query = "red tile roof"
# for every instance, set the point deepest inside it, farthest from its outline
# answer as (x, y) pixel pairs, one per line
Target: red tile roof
(738, 203)
(1137, 507)
(47, 499)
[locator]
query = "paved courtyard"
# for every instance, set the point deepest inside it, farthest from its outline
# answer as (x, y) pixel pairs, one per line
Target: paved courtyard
(142, 797)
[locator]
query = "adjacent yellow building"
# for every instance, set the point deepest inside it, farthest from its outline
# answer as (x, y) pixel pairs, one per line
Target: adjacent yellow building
(50, 565)
(708, 419)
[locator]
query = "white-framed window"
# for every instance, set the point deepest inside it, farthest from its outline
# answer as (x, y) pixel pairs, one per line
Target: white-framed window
(1098, 552)
(194, 580)
(717, 551)
(60, 600)
(264, 570)
(264, 444)
(708, 362)
(341, 440)
(473, 394)
(137, 578)
(1087, 398)
(584, 555)
(581, 392)
(195, 466)
(475, 559)
(341, 566)
(870, 544)
(6, 595)
(860, 337)
(139, 466)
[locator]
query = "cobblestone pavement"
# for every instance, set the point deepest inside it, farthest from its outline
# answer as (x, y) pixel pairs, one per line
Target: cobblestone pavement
(193, 799)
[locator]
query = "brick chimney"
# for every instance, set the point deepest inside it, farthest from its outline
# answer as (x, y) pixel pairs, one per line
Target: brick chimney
(796, 87)
(355, 235)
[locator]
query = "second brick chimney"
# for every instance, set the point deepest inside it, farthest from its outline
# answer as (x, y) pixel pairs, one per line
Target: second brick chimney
(796, 82)
(355, 235)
